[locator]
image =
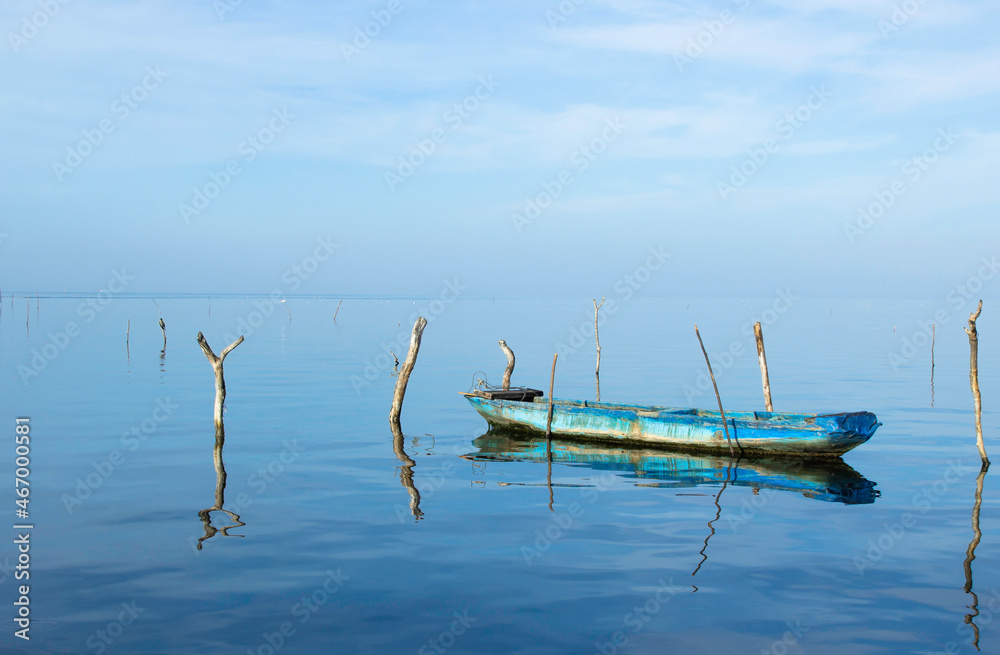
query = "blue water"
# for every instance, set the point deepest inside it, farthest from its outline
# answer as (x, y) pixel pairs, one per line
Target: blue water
(334, 550)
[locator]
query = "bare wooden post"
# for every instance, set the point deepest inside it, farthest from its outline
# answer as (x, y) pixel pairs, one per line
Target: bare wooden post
(404, 373)
(552, 379)
(128, 328)
(220, 381)
(597, 338)
(287, 310)
(163, 329)
(338, 310)
(725, 425)
(974, 381)
(933, 336)
(510, 364)
(758, 334)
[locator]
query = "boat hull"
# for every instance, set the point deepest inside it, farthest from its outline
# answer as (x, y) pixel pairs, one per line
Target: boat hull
(824, 435)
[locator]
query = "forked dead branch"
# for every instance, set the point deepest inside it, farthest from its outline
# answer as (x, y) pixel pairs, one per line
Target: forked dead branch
(220, 380)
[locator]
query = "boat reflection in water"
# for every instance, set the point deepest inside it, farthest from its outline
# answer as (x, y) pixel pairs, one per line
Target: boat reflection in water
(830, 480)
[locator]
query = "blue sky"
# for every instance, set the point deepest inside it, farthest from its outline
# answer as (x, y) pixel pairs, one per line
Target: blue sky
(626, 123)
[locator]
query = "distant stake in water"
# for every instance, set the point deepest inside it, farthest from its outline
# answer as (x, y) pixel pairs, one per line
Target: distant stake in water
(758, 334)
(974, 381)
(933, 337)
(404, 373)
(510, 364)
(597, 338)
(220, 381)
(287, 310)
(163, 329)
(338, 310)
(725, 425)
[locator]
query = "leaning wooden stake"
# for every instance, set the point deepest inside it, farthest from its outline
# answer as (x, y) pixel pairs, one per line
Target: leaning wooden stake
(510, 364)
(338, 310)
(758, 334)
(548, 432)
(552, 379)
(163, 329)
(220, 381)
(597, 338)
(404, 373)
(725, 425)
(974, 381)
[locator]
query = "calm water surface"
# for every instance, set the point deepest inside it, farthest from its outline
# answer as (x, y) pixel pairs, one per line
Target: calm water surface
(347, 547)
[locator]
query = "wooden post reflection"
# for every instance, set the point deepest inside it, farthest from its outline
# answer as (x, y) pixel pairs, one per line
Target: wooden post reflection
(406, 470)
(718, 515)
(220, 495)
(970, 555)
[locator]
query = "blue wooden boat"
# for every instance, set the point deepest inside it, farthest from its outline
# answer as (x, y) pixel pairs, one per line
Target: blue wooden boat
(827, 435)
(829, 480)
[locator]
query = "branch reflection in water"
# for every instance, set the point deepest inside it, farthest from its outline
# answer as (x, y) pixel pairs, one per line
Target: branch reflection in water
(406, 470)
(718, 514)
(970, 555)
(220, 495)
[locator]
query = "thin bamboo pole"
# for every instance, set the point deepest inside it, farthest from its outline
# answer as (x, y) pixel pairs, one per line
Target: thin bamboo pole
(552, 379)
(597, 338)
(722, 412)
